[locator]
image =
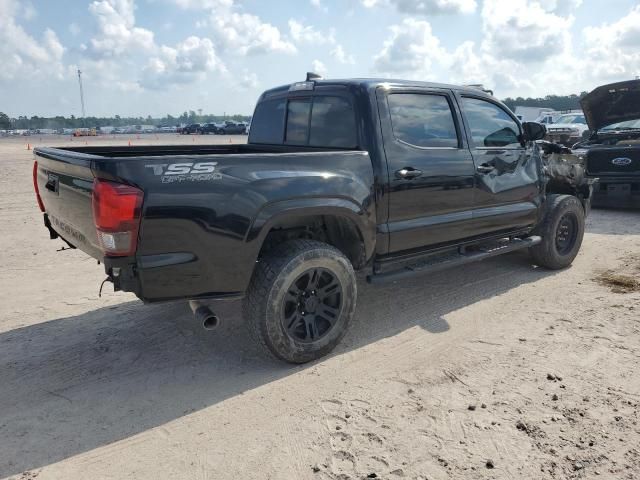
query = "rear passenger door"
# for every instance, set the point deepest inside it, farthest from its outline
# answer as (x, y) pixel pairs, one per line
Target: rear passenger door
(508, 188)
(430, 169)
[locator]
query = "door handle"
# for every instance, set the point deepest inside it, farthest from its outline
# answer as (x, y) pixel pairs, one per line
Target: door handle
(408, 173)
(485, 168)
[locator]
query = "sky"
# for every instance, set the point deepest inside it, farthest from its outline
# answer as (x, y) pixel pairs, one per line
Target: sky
(158, 57)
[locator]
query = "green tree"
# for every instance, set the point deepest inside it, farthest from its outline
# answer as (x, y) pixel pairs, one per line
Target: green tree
(5, 121)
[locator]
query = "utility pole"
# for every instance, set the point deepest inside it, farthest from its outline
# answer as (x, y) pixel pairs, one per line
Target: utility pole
(81, 95)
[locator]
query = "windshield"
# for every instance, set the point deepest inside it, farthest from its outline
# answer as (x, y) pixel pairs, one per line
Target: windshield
(628, 125)
(573, 118)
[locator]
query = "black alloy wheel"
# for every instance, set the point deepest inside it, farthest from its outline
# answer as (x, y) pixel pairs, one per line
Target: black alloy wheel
(312, 305)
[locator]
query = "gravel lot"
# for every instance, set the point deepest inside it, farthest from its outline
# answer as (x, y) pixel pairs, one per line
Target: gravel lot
(499, 370)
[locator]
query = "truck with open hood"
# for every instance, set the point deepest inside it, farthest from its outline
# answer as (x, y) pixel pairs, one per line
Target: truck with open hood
(612, 152)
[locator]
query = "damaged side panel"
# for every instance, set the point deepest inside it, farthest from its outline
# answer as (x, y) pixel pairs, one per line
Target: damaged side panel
(565, 172)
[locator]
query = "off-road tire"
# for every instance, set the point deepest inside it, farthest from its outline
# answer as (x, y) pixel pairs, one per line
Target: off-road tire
(552, 253)
(265, 305)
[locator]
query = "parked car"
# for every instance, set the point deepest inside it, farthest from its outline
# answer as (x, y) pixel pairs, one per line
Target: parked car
(209, 128)
(233, 128)
(612, 152)
(568, 129)
(547, 118)
(530, 114)
(192, 128)
(394, 178)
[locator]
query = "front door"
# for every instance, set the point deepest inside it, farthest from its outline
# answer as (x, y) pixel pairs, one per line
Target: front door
(507, 194)
(430, 168)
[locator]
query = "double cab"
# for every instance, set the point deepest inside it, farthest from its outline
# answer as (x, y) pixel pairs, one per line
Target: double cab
(397, 178)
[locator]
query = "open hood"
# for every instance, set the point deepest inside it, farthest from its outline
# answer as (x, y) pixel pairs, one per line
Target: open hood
(613, 103)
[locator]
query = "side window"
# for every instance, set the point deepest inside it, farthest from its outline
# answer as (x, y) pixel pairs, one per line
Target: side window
(267, 123)
(333, 123)
(422, 120)
(490, 125)
(298, 122)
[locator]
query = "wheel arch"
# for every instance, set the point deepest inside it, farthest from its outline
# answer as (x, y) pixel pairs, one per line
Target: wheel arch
(337, 221)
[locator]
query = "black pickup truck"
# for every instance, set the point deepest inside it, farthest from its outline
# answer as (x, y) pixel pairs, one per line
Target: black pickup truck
(397, 178)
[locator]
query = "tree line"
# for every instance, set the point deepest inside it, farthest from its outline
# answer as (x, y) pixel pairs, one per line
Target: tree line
(57, 122)
(556, 102)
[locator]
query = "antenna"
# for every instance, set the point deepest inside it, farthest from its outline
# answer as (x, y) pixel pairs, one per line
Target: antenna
(81, 93)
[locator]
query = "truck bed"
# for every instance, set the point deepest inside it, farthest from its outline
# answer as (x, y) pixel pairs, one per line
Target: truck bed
(199, 232)
(122, 151)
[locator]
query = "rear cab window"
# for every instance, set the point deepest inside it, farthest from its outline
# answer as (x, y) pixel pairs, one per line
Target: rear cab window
(267, 123)
(423, 120)
(313, 121)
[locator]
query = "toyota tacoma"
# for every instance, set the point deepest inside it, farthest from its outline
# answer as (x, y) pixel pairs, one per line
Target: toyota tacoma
(396, 178)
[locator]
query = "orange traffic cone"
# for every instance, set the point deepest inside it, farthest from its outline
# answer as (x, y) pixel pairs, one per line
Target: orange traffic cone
(129, 142)
(28, 146)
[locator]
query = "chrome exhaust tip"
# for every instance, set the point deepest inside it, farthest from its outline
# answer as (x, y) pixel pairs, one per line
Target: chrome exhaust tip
(204, 315)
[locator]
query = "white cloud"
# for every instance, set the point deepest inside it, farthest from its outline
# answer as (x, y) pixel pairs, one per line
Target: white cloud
(23, 55)
(561, 7)
(248, 81)
(118, 34)
(204, 4)
(301, 33)
(341, 56)
(522, 43)
(410, 50)
(184, 63)
(319, 5)
(522, 30)
(612, 51)
(238, 31)
(425, 7)
(318, 67)
(246, 34)
(28, 10)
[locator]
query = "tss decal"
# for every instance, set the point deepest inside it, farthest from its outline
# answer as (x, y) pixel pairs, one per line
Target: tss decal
(185, 172)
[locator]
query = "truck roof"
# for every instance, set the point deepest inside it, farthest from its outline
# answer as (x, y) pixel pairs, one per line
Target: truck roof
(373, 83)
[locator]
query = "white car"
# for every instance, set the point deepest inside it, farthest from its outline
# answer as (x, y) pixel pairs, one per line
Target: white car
(568, 129)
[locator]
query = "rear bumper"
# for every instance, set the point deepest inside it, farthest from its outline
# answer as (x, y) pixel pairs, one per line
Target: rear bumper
(154, 278)
(157, 278)
(617, 192)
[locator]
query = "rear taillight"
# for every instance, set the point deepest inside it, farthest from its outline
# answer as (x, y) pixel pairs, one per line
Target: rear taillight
(35, 186)
(116, 214)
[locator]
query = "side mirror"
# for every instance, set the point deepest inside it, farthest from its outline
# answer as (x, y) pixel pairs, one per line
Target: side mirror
(534, 131)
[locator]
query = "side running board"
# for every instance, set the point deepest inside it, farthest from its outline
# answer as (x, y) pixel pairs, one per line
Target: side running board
(437, 263)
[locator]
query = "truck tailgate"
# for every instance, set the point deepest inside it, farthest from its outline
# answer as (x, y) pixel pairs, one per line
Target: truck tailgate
(65, 187)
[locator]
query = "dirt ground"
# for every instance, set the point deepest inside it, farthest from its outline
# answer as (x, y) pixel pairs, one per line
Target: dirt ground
(499, 370)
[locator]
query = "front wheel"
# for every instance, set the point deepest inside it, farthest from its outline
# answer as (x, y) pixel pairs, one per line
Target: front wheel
(562, 231)
(301, 300)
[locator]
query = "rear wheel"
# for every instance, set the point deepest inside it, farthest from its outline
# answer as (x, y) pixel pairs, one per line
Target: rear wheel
(301, 300)
(562, 231)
